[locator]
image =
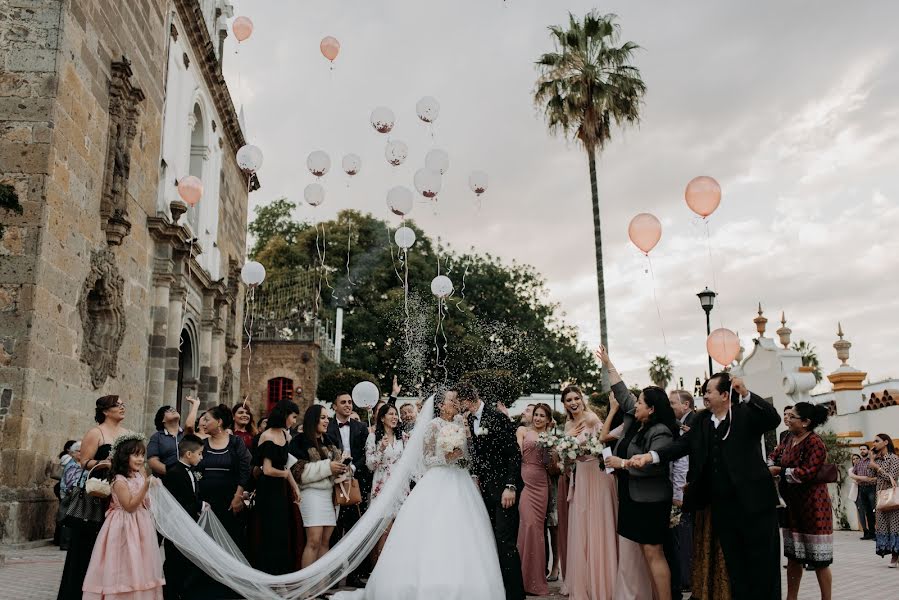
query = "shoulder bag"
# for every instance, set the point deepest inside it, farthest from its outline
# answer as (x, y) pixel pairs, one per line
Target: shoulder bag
(888, 499)
(83, 509)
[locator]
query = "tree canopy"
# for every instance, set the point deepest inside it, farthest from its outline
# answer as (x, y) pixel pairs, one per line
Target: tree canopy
(497, 318)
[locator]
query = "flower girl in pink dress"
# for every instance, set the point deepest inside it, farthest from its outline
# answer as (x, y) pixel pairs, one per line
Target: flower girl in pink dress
(126, 561)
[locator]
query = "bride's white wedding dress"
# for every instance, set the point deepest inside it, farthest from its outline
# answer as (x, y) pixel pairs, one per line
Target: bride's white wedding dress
(441, 545)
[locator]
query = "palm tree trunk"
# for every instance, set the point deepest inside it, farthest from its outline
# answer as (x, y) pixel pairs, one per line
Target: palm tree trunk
(600, 277)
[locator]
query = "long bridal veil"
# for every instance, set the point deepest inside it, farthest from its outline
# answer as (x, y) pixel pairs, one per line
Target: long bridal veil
(208, 546)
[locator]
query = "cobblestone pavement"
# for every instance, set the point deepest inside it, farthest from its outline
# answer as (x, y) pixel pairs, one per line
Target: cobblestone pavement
(857, 572)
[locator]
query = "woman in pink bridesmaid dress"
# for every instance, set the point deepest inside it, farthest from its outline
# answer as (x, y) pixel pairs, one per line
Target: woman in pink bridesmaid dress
(592, 553)
(533, 502)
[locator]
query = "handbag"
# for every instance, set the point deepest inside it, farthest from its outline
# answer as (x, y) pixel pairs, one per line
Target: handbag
(82, 509)
(888, 499)
(347, 493)
(826, 474)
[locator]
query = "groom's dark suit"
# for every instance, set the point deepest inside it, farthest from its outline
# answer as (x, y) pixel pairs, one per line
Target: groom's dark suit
(496, 462)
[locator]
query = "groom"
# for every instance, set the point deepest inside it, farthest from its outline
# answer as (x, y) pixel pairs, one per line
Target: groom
(496, 467)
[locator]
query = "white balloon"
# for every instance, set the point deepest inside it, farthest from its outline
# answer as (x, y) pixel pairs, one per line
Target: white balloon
(382, 119)
(351, 164)
(318, 163)
(477, 181)
(437, 160)
(400, 200)
(252, 273)
(249, 158)
(404, 237)
(366, 394)
(441, 286)
(396, 152)
(427, 182)
(428, 109)
(314, 194)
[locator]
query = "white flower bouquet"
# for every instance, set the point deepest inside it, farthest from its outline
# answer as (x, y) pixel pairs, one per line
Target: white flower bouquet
(676, 513)
(568, 447)
(593, 446)
(451, 437)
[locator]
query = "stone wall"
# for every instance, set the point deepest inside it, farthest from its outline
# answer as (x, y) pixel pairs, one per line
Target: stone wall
(269, 359)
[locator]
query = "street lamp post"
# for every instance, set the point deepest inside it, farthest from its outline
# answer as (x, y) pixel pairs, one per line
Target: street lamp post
(707, 301)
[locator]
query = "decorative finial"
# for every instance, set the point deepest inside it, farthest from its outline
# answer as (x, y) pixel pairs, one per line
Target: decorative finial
(784, 332)
(760, 322)
(739, 358)
(842, 346)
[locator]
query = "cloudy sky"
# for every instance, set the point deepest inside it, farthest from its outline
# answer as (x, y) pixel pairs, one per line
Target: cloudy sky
(792, 106)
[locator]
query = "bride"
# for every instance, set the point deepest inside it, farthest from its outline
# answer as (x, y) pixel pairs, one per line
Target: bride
(441, 531)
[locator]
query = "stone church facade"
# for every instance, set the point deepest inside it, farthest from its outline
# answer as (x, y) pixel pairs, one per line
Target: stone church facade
(109, 283)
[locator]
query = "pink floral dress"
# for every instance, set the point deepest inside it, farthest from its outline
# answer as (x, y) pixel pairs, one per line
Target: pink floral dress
(380, 462)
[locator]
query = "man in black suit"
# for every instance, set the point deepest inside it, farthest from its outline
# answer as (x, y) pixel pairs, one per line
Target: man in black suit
(180, 481)
(350, 436)
(496, 467)
(728, 472)
(679, 542)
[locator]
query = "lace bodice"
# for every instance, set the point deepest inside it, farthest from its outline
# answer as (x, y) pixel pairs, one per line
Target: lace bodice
(437, 440)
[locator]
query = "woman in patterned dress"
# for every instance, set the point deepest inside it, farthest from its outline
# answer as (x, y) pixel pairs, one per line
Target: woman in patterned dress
(382, 449)
(807, 521)
(883, 466)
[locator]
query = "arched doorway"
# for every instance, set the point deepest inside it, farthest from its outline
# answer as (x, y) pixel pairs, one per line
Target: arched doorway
(187, 372)
(279, 388)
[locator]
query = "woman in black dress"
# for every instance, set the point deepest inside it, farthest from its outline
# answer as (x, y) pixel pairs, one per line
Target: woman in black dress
(109, 412)
(224, 472)
(276, 530)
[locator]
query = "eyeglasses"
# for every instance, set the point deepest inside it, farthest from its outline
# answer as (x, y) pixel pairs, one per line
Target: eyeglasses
(118, 404)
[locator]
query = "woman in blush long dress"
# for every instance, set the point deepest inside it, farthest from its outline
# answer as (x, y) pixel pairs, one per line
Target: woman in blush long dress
(593, 505)
(533, 503)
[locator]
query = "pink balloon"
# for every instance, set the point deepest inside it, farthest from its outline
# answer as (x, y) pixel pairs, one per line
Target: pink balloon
(723, 346)
(242, 28)
(190, 189)
(645, 232)
(703, 195)
(330, 47)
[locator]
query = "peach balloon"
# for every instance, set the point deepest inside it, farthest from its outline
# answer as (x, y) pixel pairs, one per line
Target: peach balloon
(330, 47)
(190, 189)
(645, 232)
(242, 28)
(723, 346)
(703, 195)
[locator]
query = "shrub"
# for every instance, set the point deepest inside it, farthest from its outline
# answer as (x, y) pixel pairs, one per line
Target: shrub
(341, 380)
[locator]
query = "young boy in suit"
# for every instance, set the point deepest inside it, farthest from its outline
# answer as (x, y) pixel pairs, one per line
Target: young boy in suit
(181, 482)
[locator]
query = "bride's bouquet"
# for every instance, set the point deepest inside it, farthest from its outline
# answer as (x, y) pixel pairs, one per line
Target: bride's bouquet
(593, 446)
(452, 437)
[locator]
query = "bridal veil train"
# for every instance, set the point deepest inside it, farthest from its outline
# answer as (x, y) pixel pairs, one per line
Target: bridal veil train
(459, 530)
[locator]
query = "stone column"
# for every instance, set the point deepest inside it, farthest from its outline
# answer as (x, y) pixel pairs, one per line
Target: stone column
(156, 356)
(177, 297)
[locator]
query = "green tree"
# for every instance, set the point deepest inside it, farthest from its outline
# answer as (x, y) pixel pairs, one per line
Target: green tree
(660, 371)
(809, 358)
(495, 385)
(340, 381)
(497, 318)
(586, 86)
(275, 220)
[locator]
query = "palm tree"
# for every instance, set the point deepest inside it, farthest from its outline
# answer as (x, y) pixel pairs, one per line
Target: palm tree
(809, 358)
(585, 86)
(660, 371)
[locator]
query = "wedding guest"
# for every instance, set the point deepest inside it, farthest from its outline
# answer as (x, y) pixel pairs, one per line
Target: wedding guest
(162, 449)
(786, 422)
(683, 404)
(866, 494)
(409, 415)
(527, 416)
(56, 473)
(127, 533)
(534, 500)
(276, 529)
(728, 473)
(109, 412)
(883, 466)
(181, 576)
(644, 495)
(243, 424)
(318, 463)
(382, 449)
(590, 564)
(679, 549)
(225, 472)
(71, 474)
(807, 520)
(350, 436)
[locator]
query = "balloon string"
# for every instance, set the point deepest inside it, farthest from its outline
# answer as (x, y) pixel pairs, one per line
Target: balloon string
(656, 300)
(318, 287)
(324, 269)
(438, 332)
(349, 239)
(464, 274)
(249, 301)
(392, 256)
(708, 238)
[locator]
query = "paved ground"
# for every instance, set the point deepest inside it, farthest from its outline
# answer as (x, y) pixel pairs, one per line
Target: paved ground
(857, 572)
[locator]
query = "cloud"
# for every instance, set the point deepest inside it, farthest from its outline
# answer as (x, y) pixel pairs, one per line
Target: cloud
(791, 106)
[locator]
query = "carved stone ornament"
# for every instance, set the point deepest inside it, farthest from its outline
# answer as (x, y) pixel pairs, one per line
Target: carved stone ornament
(124, 98)
(227, 379)
(102, 310)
